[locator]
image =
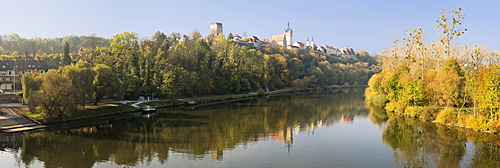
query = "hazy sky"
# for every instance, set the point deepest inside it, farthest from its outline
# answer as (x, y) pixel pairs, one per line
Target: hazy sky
(361, 24)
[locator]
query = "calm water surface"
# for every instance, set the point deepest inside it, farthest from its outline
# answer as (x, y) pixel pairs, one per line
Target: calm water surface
(318, 130)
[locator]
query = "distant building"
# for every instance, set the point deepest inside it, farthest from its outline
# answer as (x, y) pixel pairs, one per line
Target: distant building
(284, 39)
(257, 42)
(11, 71)
(348, 52)
(310, 44)
(329, 50)
(299, 45)
(216, 28)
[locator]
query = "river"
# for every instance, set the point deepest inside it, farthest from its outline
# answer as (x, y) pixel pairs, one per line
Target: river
(313, 130)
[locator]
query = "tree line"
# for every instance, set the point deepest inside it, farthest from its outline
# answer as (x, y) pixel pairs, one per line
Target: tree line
(174, 66)
(440, 81)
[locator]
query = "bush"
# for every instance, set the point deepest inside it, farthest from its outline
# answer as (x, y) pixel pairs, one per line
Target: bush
(379, 100)
(395, 107)
(390, 106)
(345, 85)
(429, 113)
(478, 123)
(494, 126)
(414, 111)
(261, 92)
(447, 116)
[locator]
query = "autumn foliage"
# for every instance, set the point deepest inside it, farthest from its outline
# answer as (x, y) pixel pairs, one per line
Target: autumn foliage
(439, 81)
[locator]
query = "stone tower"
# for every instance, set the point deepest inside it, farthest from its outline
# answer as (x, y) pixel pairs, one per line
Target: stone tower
(287, 39)
(215, 28)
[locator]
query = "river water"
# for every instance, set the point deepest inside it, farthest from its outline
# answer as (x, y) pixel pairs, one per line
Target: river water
(315, 130)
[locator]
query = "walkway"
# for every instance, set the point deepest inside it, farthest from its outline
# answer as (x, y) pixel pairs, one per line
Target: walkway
(11, 122)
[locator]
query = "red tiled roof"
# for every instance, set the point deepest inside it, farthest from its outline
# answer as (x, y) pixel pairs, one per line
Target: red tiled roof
(264, 39)
(277, 38)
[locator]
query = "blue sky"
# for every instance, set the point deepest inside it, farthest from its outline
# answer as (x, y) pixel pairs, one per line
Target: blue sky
(361, 24)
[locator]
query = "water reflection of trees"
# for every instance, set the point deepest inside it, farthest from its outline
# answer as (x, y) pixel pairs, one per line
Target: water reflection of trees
(423, 144)
(204, 131)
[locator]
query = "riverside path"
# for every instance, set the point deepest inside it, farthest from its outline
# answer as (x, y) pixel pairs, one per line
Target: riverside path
(11, 122)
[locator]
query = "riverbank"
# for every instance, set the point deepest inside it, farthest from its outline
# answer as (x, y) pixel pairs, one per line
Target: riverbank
(465, 117)
(106, 109)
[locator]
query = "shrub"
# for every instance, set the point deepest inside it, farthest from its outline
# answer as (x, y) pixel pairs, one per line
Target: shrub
(390, 106)
(494, 126)
(379, 100)
(414, 111)
(345, 85)
(400, 109)
(479, 123)
(395, 107)
(261, 92)
(447, 116)
(429, 113)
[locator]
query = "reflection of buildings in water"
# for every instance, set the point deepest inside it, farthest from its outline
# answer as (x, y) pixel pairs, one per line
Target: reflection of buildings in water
(347, 118)
(217, 154)
(285, 135)
(12, 141)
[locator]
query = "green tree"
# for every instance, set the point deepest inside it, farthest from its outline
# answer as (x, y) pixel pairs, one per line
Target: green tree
(31, 83)
(106, 83)
(66, 58)
(57, 99)
(125, 53)
(81, 76)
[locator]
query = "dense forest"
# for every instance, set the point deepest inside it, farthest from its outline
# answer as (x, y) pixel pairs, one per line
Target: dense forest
(89, 68)
(440, 81)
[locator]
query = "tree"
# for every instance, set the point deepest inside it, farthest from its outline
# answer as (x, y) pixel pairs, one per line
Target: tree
(106, 83)
(66, 58)
(81, 75)
(125, 52)
(57, 99)
(31, 83)
(489, 91)
(449, 28)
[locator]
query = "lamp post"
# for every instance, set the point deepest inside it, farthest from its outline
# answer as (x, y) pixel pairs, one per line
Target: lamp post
(14, 78)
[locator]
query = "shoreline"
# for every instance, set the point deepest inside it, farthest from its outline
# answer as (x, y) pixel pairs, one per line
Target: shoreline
(199, 101)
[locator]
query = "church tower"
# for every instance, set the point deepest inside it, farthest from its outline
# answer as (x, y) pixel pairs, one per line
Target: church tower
(311, 43)
(287, 39)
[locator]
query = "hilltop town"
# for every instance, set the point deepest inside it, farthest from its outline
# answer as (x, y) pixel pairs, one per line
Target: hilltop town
(284, 40)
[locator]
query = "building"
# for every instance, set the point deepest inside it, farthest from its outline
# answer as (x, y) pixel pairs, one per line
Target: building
(216, 28)
(11, 71)
(284, 39)
(329, 50)
(299, 45)
(310, 43)
(348, 52)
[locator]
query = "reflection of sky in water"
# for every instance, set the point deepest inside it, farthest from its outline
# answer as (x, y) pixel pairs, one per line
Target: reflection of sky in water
(339, 145)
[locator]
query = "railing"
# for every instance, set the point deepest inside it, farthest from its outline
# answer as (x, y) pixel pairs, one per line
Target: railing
(7, 99)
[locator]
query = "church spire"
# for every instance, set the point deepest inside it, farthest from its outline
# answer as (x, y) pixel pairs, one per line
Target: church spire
(288, 27)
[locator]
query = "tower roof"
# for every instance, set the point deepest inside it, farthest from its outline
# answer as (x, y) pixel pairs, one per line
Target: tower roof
(288, 28)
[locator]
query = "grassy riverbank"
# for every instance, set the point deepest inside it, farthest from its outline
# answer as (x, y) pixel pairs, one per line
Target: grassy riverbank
(109, 109)
(90, 111)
